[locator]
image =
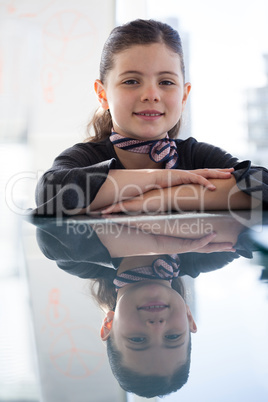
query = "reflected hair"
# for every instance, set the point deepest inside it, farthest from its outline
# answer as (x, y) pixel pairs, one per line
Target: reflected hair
(138, 32)
(147, 386)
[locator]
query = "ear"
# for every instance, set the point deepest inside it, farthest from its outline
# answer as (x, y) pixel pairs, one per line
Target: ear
(107, 325)
(192, 324)
(186, 91)
(101, 94)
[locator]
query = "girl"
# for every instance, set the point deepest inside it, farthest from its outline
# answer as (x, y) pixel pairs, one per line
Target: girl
(133, 163)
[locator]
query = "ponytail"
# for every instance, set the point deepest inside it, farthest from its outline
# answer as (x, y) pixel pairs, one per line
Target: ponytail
(102, 124)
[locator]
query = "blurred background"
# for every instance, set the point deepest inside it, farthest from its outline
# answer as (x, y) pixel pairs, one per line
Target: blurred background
(49, 57)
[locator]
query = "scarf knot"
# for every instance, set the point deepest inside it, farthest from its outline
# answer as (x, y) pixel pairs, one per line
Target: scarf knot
(161, 268)
(163, 150)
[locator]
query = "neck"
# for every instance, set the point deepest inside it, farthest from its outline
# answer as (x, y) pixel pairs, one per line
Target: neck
(132, 160)
(129, 263)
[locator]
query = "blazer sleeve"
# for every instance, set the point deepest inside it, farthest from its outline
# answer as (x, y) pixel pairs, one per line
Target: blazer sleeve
(78, 254)
(72, 182)
(250, 178)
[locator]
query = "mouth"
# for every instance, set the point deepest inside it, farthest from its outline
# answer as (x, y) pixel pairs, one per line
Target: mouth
(149, 114)
(153, 307)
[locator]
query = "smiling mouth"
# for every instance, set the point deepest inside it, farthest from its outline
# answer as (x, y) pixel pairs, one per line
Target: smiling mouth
(153, 307)
(149, 114)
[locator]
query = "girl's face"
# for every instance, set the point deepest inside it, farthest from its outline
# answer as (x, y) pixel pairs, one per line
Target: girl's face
(151, 327)
(144, 91)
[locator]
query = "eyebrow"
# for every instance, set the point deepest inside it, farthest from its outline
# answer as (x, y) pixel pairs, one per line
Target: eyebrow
(148, 347)
(174, 347)
(140, 73)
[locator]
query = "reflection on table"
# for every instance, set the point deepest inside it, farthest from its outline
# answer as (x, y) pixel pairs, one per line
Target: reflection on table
(136, 268)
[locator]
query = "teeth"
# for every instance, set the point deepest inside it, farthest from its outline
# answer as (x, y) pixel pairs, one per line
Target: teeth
(150, 114)
(153, 307)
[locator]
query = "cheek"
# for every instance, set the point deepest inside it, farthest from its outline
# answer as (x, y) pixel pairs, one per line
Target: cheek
(180, 102)
(124, 309)
(175, 105)
(126, 316)
(117, 108)
(180, 319)
(124, 325)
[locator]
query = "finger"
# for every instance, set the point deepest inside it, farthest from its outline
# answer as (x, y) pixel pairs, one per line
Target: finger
(203, 241)
(217, 174)
(188, 245)
(203, 181)
(217, 248)
(214, 169)
(214, 173)
(231, 169)
(192, 178)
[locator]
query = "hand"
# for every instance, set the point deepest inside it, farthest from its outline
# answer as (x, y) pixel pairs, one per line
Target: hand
(170, 178)
(132, 242)
(204, 244)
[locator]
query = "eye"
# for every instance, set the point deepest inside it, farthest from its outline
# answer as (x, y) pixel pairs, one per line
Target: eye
(172, 337)
(166, 82)
(130, 82)
(137, 339)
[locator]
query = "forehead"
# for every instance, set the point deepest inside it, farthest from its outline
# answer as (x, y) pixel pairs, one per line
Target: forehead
(154, 55)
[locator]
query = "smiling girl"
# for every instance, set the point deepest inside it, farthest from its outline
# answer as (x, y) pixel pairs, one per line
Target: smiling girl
(134, 163)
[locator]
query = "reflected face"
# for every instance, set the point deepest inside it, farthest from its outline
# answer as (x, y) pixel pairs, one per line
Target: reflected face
(151, 327)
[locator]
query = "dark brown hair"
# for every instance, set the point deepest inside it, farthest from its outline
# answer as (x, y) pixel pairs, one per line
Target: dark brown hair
(138, 32)
(147, 386)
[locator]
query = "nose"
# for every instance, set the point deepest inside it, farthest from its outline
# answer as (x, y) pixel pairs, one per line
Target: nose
(156, 322)
(150, 94)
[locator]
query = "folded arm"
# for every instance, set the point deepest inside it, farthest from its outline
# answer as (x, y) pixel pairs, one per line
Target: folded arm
(122, 185)
(187, 198)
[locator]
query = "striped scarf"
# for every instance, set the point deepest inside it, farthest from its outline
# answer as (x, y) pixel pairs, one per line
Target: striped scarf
(164, 150)
(162, 268)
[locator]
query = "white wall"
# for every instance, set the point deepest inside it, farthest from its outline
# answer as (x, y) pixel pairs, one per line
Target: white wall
(49, 59)
(49, 56)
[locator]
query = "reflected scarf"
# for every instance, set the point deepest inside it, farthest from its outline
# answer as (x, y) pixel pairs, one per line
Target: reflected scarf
(164, 150)
(162, 268)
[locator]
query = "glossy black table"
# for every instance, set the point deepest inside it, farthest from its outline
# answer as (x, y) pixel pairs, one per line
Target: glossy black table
(226, 286)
